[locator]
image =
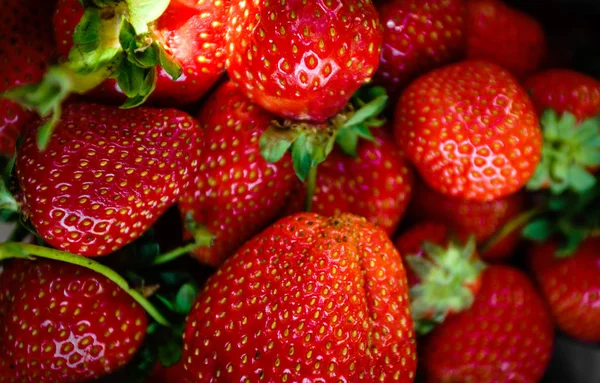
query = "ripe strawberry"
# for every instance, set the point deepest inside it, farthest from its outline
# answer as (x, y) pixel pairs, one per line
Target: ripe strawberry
(107, 174)
(505, 36)
(25, 49)
(63, 323)
(571, 286)
(482, 219)
(236, 193)
(375, 184)
(470, 130)
(419, 36)
(565, 91)
(193, 32)
(443, 270)
(302, 60)
(313, 298)
(506, 336)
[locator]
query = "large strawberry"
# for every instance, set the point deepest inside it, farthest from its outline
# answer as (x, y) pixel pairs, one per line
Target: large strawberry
(571, 286)
(470, 130)
(25, 49)
(192, 32)
(419, 36)
(375, 183)
(63, 323)
(505, 36)
(236, 193)
(505, 336)
(310, 298)
(107, 174)
(569, 105)
(483, 219)
(302, 60)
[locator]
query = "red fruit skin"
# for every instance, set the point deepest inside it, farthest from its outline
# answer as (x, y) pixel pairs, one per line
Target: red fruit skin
(197, 42)
(236, 193)
(505, 36)
(505, 337)
(419, 36)
(376, 184)
(470, 130)
(26, 48)
(302, 59)
(173, 374)
(63, 323)
(313, 298)
(565, 90)
(482, 219)
(571, 286)
(107, 174)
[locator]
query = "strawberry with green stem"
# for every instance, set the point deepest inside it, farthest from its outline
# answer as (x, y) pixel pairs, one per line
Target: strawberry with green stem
(569, 106)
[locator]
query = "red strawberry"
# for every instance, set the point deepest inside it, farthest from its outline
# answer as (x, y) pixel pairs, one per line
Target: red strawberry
(375, 184)
(565, 91)
(107, 174)
(237, 193)
(482, 219)
(505, 36)
(571, 286)
(302, 60)
(193, 32)
(470, 130)
(310, 298)
(505, 337)
(444, 275)
(25, 49)
(418, 37)
(173, 374)
(63, 323)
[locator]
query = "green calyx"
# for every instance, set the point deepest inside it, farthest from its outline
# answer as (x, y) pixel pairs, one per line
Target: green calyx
(570, 149)
(203, 237)
(448, 279)
(112, 40)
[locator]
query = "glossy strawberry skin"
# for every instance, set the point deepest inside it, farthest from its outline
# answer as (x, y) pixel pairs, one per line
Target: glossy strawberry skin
(376, 184)
(505, 36)
(26, 48)
(419, 36)
(506, 336)
(106, 175)
(302, 60)
(571, 286)
(565, 90)
(236, 193)
(482, 219)
(309, 298)
(64, 323)
(470, 130)
(197, 42)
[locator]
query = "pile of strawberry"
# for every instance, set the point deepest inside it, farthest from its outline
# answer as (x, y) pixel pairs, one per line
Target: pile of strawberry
(293, 191)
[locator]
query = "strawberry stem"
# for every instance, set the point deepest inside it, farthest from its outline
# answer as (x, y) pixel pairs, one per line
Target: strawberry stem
(311, 183)
(175, 253)
(514, 224)
(27, 251)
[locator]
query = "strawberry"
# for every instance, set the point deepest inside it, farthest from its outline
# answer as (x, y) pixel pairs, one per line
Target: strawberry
(505, 36)
(376, 183)
(444, 272)
(63, 323)
(482, 219)
(25, 50)
(192, 32)
(107, 175)
(569, 105)
(236, 193)
(174, 374)
(571, 286)
(470, 130)
(505, 336)
(310, 298)
(301, 59)
(419, 36)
